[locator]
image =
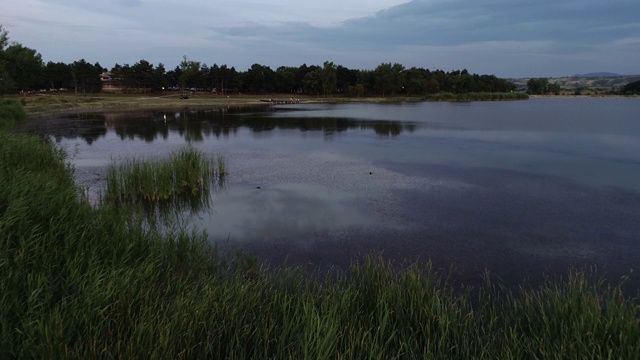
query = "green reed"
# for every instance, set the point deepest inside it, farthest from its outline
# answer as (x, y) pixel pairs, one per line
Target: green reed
(11, 113)
(186, 176)
(81, 281)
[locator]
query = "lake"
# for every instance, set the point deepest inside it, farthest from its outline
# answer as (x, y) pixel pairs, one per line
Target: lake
(521, 188)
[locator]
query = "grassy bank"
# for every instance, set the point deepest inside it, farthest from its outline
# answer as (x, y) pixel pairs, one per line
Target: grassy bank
(78, 281)
(481, 96)
(43, 104)
(47, 104)
(11, 113)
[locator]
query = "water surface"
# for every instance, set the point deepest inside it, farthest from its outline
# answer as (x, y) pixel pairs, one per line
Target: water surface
(521, 188)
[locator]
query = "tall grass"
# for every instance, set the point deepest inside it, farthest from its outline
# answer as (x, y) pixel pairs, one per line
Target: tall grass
(11, 113)
(78, 281)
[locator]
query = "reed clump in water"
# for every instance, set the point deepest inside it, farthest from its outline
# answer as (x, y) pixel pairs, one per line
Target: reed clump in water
(185, 174)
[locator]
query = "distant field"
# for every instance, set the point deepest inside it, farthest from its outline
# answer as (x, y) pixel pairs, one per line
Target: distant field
(572, 83)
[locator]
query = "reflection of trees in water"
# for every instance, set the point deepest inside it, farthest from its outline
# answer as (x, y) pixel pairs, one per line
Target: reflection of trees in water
(198, 125)
(87, 126)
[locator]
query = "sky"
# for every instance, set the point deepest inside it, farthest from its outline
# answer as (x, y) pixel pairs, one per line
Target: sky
(507, 38)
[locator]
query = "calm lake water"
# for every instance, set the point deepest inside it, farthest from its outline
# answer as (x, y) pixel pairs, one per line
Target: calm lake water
(520, 188)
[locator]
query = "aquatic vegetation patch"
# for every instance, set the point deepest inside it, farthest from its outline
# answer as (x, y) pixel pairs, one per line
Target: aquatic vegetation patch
(184, 175)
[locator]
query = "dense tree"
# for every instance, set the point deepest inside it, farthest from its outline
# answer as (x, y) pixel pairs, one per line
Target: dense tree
(258, 79)
(222, 79)
(159, 79)
(21, 68)
(4, 38)
(345, 78)
(414, 81)
(86, 77)
(142, 75)
(58, 76)
(389, 78)
(538, 86)
(190, 73)
(328, 78)
(6, 84)
(302, 71)
(632, 88)
(173, 77)
(312, 82)
(356, 90)
(285, 79)
(24, 67)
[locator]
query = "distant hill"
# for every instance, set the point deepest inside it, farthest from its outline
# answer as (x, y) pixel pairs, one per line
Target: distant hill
(592, 81)
(597, 75)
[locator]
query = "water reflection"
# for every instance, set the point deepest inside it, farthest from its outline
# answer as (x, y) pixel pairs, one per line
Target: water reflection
(87, 126)
(519, 188)
(196, 125)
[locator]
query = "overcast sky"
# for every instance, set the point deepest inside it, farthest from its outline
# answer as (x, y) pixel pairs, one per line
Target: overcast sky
(508, 38)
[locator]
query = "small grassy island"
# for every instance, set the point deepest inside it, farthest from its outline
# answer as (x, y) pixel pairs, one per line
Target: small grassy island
(81, 280)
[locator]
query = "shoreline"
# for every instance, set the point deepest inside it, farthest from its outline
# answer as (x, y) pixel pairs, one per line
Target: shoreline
(48, 104)
(591, 96)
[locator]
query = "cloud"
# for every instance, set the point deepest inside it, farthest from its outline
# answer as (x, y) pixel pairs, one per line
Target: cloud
(127, 3)
(544, 32)
(493, 36)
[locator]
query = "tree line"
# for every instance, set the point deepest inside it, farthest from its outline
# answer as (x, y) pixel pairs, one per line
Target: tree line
(23, 70)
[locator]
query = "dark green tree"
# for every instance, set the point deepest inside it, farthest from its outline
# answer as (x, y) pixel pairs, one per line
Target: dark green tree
(58, 76)
(24, 67)
(159, 79)
(86, 77)
(4, 38)
(367, 79)
(285, 79)
(415, 81)
(632, 88)
(389, 78)
(538, 86)
(143, 75)
(6, 83)
(328, 78)
(190, 73)
(258, 79)
(173, 77)
(312, 82)
(345, 78)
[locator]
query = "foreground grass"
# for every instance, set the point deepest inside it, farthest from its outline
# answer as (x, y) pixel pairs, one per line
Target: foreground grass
(11, 113)
(78, 281)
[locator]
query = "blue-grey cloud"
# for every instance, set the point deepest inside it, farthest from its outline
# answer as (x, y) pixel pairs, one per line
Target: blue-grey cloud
(509, 38)
(533, 34)
(127, 3)
(572, 23)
